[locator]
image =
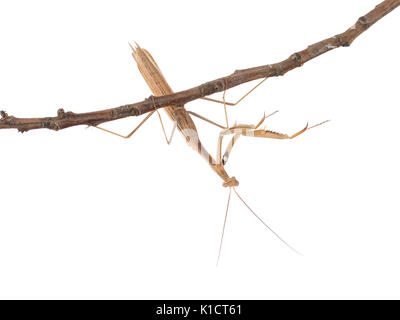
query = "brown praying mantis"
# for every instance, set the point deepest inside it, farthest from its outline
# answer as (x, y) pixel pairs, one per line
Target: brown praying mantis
(173, 103)
(185, 124)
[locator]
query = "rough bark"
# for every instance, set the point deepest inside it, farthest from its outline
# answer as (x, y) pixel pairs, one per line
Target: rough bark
(68, 119)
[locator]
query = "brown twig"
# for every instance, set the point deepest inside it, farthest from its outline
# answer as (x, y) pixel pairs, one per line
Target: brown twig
(68, 119)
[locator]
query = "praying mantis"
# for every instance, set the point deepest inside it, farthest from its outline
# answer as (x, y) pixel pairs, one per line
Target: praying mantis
(173, 103)
(185, 124)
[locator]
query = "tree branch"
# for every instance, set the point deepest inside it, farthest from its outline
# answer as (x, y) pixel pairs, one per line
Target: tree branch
(68, 119)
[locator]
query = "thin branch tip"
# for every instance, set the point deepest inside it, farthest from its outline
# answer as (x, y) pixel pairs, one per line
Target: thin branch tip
(68, 119)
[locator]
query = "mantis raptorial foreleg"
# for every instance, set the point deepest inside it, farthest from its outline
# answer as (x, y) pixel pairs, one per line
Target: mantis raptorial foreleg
(236, 136)
(251, 131)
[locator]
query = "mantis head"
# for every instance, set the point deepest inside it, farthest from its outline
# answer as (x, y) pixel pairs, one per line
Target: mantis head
(230, 182)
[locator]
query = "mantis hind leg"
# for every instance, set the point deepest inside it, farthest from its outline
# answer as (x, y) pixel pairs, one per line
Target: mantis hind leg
(131, 133)
(163, 129)
(162, 125)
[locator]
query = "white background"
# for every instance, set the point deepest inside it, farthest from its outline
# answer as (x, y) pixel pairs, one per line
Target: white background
(84, 214)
